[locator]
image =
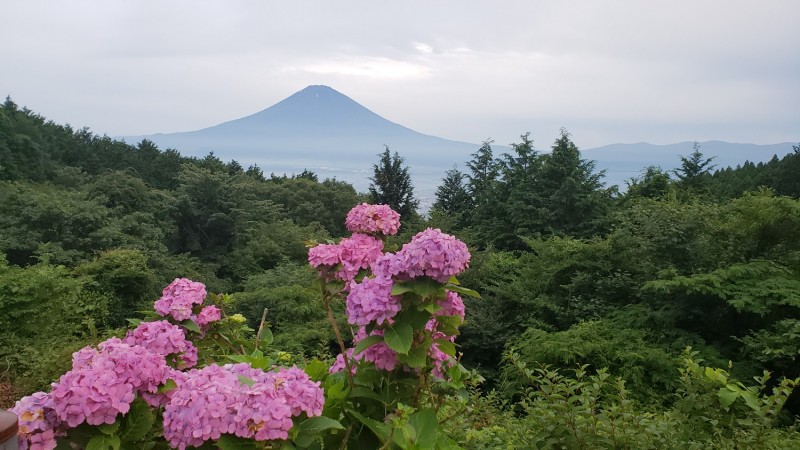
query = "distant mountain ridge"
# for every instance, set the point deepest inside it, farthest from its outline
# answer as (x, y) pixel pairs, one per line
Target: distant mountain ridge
(314, 125)
(323, 130)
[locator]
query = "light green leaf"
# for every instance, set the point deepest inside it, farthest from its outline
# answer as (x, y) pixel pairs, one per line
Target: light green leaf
(309, 429)
(316, 370)
(107, 428)
(727, 397)
(249, 382)
(103, 442)
(189, 325)
(168, 385)
(462, 290)
(426, 426)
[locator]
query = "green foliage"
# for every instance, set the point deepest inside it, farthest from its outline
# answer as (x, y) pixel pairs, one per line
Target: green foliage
(291, 295)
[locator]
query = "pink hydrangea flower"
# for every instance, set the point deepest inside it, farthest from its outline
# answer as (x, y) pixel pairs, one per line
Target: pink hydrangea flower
(430, 253)
(37, 422)
(371, 300)
(208, 315)
(366, 218)
(178, 299)
(324, 256)
(165, 339)
(358, 252)
(214, 400)
(105, 386)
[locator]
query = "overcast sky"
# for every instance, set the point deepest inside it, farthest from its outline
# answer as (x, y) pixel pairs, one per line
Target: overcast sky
(608, 71)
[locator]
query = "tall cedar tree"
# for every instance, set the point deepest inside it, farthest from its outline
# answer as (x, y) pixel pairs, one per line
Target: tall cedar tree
(694, 169)
(391, 185)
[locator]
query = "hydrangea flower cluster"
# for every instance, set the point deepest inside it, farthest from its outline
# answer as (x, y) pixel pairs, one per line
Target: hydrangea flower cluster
(208, 315)
(38, 422)
(430, 253)
(166, 339)
(178, 299)
(104, 385)
(346, 259)
(371, 301)
(366, 218)
(214, 400)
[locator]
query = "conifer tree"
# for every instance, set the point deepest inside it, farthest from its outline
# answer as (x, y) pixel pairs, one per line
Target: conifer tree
(391, 185)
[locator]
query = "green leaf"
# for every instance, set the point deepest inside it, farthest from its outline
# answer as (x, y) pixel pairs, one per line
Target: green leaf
(426, 426)
(189, 325)
(462, 290)
(401, 287)
(399, 337)
(316, 370)
(138, 422)
(380, 429)
(265, 337)
(134, 322)
(307, 430)
(417, 357)
(249, 382)
(449, 324)
(416, 317)
(446, 346)
(366, 343)
(365, 392)
(727, 397)
(109, 428)
(230, 442)
(103, 442)
(168, 385)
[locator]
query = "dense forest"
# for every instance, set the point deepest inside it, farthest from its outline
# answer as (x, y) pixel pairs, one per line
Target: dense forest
(664, 316)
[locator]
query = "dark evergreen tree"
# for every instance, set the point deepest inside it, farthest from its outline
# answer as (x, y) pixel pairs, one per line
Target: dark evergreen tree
(654, 183)
(452, 196)
(694, 169)
(573, 193)
(391, 185)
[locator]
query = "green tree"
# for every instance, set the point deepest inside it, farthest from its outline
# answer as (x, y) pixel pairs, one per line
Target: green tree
(694, 169)
(391, 185)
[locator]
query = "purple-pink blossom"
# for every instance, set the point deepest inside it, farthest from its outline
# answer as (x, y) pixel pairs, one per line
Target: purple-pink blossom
(178, 299)
(165, 339)
(430, 253)
(366, 218)
(208, 315)
(105, 384)
(215, 400)
(37, 422)
(371, 301)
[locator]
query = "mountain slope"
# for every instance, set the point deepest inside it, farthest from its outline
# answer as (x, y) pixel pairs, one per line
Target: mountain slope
(313, 127)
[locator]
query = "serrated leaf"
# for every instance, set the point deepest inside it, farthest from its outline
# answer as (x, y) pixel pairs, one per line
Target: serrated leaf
(103, 442)
(366, 343)
(309, 429)
(189, 325)
(426, 427)
(462, 290)
(399, 337)
(401, 287)
(138, 422)
(446, 347)
(449, 324)
(417, 357)
(316, 370)
(380, 429)
(109, 428)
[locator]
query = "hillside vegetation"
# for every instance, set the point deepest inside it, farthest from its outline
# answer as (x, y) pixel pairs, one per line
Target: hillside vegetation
(667, 316)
